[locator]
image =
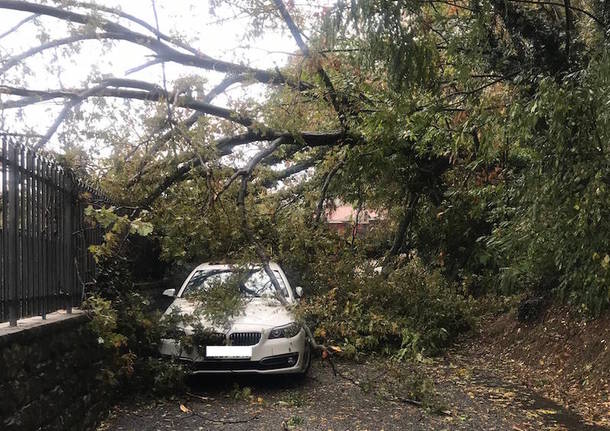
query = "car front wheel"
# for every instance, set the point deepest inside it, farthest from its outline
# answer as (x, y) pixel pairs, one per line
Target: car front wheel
(306, 359)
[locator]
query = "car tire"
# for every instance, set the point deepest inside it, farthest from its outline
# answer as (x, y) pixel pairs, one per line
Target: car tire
(307, 358)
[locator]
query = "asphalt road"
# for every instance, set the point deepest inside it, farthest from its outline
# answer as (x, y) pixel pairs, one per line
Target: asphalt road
(367, 397)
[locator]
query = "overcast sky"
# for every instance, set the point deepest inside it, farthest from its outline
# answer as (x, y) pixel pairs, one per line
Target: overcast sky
(220, 36)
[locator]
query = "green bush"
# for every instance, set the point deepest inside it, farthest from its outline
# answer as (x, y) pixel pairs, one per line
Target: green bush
(128, 332)
(130, 337)
(410, 312)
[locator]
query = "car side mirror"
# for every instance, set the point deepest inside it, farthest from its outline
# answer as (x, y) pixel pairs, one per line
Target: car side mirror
(299, 291)
(169, 292)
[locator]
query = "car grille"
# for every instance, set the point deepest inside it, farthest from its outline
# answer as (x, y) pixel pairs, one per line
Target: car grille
(210, 339)
(245, 338)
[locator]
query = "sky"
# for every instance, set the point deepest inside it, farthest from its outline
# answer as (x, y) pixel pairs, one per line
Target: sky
(219, 35)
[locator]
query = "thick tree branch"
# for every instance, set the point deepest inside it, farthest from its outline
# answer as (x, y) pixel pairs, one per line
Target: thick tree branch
(142, 23)
(212, 94)
(263, 76)
(65, 112)
(571, 7)
(39, 95)
(83, 95)
(163, 51)
(152, 93)
(291, 170)
(241, 205)
(224, 146)
(327, 180)
(247, 170)
(186, 124)
(16, 59)
(60, 13)
(23, 102)
(254, 161)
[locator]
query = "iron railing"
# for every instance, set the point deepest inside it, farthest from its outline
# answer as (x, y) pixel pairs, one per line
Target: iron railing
(45, 264)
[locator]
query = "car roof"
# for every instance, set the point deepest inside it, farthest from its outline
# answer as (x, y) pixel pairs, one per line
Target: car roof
(211, 266)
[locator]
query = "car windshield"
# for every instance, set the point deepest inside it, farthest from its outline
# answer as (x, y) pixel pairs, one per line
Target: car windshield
(253, 283)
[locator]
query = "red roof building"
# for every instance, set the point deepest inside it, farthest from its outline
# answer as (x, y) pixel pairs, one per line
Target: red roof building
(345, 218)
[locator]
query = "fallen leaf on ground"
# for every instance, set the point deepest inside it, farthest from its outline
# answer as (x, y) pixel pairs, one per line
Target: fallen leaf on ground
(184, 408)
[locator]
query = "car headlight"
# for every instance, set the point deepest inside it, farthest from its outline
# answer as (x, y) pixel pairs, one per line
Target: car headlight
(285, 331)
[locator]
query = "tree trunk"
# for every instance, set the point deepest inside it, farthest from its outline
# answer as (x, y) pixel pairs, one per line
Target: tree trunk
(405, 222)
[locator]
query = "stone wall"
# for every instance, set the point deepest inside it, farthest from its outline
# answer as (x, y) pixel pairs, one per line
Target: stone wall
(49, 375)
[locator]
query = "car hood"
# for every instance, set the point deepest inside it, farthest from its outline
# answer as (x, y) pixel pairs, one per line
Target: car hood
(258, 314)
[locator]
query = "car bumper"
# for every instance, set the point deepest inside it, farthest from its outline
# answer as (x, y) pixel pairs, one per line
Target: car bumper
(276, 356)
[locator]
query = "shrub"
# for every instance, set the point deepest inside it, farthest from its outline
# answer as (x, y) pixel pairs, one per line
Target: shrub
(411, 311)
(129, 334)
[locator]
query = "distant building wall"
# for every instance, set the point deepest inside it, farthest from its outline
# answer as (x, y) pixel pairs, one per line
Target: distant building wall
(342, 219)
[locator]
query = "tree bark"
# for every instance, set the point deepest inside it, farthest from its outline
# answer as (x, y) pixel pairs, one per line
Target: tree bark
(405, 222)
(327, 180)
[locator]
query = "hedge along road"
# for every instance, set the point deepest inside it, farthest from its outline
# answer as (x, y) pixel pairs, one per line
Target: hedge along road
(457, 394)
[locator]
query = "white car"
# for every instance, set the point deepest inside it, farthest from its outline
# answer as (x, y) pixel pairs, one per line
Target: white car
(264, 338)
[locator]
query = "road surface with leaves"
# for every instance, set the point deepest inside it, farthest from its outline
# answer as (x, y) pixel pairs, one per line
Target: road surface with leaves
(366, 396)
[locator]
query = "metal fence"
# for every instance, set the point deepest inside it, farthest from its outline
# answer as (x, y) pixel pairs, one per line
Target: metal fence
(44, 264)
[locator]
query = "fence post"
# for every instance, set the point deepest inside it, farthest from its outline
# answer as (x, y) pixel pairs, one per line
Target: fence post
(4, 310)
(12, 209)
(67, 231)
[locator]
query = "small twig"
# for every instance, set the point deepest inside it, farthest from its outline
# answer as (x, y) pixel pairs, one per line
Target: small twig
(355, 382)
(197, 396)
(568, 27)
(80, 279)
(223, 421)
(408, 401)
(142, 66)
(19, 24)
(66, 111)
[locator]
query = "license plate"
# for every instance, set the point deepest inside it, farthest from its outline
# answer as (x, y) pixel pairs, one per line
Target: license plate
(228, 352)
